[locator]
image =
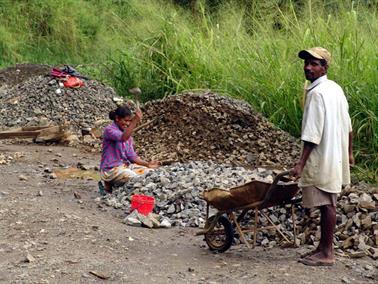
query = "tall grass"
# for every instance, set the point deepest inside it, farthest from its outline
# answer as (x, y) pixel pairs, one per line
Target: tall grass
(245, 49)
(49, 31)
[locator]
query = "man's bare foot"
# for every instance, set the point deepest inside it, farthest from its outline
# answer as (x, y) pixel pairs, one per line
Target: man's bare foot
(310, 253)
(318, 259)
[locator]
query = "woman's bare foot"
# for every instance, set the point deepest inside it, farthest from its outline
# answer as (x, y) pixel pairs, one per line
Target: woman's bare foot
(108, 187)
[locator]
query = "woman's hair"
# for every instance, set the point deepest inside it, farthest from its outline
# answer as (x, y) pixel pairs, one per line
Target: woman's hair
(121, 111)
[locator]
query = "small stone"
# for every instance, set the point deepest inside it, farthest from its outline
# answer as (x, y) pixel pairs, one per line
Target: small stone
(29, 258)
(348, 208)
(132, 219)
(365, 197)
(76, 195)
(353, 198)
(165, 223)
(23, 178)
(145, 221)
(100, 275)
(345, 280)
(366, 222)
(155, 222)
(265, 242)
(373, 253)
(53, 176)
(171, 209)
(367, 205)
(348, 242)
(357, 254)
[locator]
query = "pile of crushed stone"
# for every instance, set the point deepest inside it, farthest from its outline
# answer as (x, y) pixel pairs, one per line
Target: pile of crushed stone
(41, 99)
(184, 127)
(14, 75)
(212, 127)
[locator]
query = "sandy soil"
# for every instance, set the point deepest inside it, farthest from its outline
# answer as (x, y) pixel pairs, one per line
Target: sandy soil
(47, 235)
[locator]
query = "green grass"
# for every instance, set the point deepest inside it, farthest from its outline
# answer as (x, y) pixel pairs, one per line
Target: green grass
(245, 49)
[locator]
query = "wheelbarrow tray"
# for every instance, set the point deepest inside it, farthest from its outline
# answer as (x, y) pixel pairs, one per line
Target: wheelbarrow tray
(258, 193)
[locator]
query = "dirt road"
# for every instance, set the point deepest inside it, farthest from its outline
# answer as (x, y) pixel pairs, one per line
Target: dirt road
(47, 235)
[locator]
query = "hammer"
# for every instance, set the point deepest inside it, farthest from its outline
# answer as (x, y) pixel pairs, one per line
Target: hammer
(136, 92)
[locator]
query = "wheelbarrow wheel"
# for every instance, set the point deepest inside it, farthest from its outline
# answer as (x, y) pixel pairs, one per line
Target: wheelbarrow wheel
(220, 238)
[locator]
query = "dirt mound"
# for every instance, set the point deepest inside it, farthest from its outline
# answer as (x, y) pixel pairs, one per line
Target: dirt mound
(211, 127)
(14, 75)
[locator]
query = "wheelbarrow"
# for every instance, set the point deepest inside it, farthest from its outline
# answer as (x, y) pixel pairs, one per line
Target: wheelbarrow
(234, 204)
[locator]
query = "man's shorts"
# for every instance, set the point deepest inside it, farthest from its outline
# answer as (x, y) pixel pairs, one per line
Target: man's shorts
(314, 197)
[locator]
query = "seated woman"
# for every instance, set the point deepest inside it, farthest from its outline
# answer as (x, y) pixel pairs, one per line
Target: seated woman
(119, 161)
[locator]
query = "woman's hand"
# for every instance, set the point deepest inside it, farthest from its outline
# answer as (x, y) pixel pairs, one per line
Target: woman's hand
(138, 114)
(153, 164)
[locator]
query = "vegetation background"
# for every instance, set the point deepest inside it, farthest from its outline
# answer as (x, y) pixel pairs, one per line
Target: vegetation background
(245, 49)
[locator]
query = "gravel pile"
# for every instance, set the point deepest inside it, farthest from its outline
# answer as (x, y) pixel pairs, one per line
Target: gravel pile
(177, 188)
(41, 99)
(184, 127)
(7, 158)
(14, 75)
(211, 127)
(357, 228)
(177, 191)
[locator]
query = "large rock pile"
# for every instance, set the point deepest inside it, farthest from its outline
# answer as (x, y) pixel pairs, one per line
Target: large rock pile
(14, 75)
(358, 219)
(41, 98)
(184, 127)
(177, 190)
(211, 127)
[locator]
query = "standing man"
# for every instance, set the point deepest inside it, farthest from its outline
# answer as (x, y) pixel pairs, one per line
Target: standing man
(327, 150)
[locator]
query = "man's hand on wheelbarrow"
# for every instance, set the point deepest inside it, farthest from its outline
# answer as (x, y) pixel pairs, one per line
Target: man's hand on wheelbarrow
(307, 149)
(296, 172)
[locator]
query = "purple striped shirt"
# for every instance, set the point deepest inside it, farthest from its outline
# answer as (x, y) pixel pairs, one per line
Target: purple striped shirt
(115, 151)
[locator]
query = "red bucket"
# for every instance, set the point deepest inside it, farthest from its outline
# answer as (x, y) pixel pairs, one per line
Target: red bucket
(142, 203)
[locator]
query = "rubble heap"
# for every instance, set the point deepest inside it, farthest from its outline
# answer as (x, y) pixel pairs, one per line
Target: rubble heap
(211, 127)
(41, 99)
(177, 191)
(14, 75)
(177, 188)
(182, 127)
(7, 158)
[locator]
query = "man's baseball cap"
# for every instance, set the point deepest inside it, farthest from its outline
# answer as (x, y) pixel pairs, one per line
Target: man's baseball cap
(317, 53)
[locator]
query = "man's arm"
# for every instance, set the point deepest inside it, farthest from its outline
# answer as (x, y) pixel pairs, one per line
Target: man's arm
(350, 149)
(307, 149)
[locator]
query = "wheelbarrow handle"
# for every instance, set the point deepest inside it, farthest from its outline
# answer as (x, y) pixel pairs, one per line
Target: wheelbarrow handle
(275, 181)
(280, 176)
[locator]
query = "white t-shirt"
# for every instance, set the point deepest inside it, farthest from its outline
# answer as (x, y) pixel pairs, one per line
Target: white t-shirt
(327, 124)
